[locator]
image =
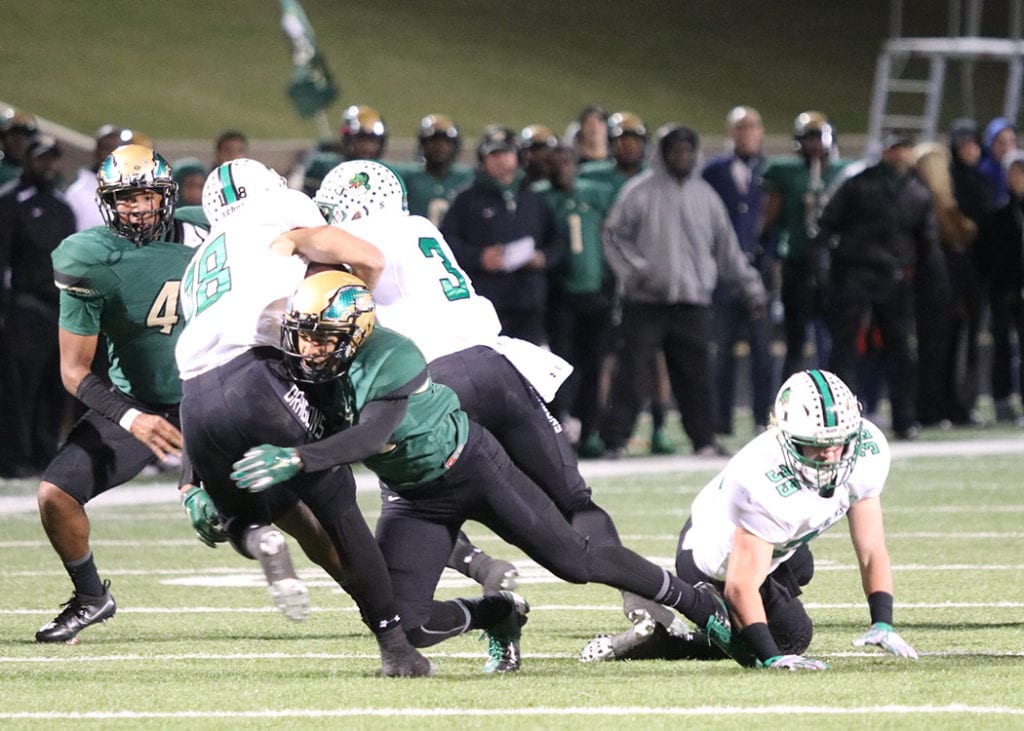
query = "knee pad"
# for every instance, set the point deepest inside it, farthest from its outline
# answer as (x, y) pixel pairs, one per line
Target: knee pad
(793, 635)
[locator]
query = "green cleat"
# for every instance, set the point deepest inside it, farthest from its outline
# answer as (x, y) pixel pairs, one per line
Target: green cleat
(718, 627)
(503, 637)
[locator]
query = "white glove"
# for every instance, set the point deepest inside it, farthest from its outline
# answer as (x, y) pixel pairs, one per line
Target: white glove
(884, 636)
(792, 663)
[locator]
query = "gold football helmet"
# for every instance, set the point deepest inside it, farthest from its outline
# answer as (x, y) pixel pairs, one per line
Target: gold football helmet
(123, 173)
(324, 324)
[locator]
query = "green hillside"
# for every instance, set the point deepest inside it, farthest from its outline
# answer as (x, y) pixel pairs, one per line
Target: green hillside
(190, 69)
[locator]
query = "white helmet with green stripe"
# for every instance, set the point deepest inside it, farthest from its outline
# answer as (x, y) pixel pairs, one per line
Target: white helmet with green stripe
(360, 189)
(814, 411)
(231, 186)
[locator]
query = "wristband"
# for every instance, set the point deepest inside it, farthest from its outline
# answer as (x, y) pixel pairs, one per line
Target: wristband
(129, 417)
(760, 640)
(880, 606)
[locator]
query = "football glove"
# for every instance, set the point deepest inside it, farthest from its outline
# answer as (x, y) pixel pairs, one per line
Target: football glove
(884, 636)
(266, 465)
(792, 663)
(203, 516)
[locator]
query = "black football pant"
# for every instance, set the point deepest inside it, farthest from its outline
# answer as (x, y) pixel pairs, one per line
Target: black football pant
(788, 621)
(248, 402)
(418, 526)
(496, 396)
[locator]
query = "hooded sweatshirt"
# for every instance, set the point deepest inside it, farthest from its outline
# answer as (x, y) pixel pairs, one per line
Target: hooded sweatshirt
(670, 241)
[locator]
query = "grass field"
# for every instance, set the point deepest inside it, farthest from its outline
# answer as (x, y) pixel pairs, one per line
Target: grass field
(196, 642)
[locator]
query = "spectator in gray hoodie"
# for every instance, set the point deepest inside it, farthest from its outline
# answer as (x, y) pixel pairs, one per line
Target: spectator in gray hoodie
(669, 242)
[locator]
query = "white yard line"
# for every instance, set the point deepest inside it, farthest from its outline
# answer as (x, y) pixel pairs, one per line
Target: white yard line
(612, 608)
(161, 493)
(955, 709)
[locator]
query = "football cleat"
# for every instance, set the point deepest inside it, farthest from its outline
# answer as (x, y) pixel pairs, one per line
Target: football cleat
(617, 647)
(500, 576)
(79, 612)
(718, 627)
(661, 444)
(286, 588)
(399, 659)
(644, 613)
(503, 637)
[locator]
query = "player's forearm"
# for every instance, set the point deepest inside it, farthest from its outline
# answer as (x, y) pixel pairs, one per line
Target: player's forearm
(876, 574)
(745, 604)
(377, 422)
(331, 245)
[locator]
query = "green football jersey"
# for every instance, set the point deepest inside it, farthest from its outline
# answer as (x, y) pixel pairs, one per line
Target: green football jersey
(580, 215)
(604, 171)
(434, 427)
(130, 294)
(802, 204)
(431, 197)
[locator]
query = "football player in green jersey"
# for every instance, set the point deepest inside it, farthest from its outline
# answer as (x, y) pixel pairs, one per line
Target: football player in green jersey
(437, 469)
(120, 280)
(433, 186)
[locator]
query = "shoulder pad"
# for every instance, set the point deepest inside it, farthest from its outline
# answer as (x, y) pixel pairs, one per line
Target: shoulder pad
(81, 262)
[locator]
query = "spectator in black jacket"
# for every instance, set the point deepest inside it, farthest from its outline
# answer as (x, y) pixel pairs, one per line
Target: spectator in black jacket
(34, 218)
(1004, 238)
(505, 237)
(881, 232)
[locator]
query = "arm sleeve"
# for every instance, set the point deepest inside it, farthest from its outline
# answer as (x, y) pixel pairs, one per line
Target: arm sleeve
(377, 422)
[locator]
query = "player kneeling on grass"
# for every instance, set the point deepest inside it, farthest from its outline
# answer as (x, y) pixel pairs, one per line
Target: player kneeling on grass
(749, 530)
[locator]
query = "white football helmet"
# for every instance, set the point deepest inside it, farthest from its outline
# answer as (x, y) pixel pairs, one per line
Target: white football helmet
(234, 183)
(361, 188)
(813, 410)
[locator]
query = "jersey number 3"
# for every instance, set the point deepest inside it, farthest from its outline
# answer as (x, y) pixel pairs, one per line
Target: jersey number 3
(456, 290)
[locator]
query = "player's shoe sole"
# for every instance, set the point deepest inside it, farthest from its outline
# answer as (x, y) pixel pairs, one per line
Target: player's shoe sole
(286, 588)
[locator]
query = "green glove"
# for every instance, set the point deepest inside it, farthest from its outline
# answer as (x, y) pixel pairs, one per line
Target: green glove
(203, 515)
(266, 465)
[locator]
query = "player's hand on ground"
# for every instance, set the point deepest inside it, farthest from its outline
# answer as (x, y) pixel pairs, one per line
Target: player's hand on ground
(266, 465)
(203, 516)
(792, 663)
(884, 636)
(158, 434)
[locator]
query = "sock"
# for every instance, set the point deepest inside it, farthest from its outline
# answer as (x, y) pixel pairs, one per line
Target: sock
(463, 554)
(456, 617)
(681, 596)
(84, 576)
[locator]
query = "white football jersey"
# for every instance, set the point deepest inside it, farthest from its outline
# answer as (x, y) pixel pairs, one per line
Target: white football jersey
(757, 492)
(235, 288)
(423, 293)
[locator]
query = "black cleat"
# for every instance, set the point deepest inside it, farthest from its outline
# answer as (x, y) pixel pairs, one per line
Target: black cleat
(399, 659)
(503, 637)
(79, 612)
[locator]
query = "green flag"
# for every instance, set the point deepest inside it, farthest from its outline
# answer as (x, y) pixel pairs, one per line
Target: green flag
(312, 87)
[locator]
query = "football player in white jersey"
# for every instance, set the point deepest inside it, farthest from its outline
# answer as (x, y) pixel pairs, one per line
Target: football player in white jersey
(262, 239)
(502, 383)
(749, 530)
